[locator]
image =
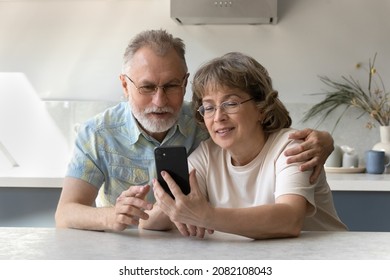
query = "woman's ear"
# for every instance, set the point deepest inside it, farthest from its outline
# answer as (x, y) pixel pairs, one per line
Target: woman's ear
(261, 117)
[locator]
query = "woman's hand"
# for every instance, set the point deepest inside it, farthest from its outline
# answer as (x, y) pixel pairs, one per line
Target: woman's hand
(157, 220)
(187, 212)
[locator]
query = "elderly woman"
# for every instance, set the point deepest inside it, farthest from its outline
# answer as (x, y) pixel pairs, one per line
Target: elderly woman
(240, 181)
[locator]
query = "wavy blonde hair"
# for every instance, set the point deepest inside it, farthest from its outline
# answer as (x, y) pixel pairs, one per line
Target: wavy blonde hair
(235, 70)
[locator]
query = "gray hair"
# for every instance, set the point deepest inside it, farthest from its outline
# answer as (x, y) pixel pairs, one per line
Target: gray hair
(160, 41)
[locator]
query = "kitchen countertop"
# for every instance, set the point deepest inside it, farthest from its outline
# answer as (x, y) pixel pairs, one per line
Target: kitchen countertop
(337, 181)
(358, 182)
(31, 182)
(70, 244)
(38, 177)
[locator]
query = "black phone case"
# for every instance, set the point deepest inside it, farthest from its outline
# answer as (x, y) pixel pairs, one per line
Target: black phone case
(173, 159)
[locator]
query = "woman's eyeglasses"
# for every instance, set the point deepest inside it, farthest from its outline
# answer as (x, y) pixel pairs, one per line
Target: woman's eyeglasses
(229, 107)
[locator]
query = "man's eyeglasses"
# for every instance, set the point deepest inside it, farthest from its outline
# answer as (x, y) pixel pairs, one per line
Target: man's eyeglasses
(168, 89)
(229, 107)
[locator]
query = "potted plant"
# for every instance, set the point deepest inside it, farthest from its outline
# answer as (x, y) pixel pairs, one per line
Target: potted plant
(372, 101)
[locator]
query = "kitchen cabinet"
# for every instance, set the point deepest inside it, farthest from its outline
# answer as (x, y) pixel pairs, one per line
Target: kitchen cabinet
(28, 207)
(362, 200)
(28, 202)
(363, 210)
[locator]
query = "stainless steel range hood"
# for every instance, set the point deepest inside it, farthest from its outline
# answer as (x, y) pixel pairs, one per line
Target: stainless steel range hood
(224, 12)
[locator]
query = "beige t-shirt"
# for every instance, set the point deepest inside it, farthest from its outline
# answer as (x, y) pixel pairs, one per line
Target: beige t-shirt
(263, 180)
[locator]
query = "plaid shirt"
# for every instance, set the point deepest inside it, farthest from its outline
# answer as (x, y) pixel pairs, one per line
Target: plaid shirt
(112, 153)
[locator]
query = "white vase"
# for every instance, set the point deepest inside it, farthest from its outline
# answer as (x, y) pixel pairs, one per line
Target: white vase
(384, 144)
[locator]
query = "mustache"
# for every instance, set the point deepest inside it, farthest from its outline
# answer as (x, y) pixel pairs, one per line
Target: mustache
(158, 110)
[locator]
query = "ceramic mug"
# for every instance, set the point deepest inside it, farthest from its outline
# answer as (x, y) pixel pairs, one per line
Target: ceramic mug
(375, 162)
(350, 160)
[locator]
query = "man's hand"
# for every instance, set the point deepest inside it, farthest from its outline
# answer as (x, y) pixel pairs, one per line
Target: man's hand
(130, 207)
(314, 151)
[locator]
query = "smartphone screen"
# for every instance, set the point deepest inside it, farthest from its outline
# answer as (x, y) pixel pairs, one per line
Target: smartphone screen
(173, 159)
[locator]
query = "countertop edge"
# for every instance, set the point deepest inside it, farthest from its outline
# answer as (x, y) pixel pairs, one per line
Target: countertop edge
(337, 182)
(31, 182)
(358, 182)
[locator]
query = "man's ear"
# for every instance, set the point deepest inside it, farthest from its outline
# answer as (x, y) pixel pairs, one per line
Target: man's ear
(186, 80)
(124, 86)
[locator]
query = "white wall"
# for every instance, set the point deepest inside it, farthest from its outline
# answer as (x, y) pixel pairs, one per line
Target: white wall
(73, 49)
(28, 132)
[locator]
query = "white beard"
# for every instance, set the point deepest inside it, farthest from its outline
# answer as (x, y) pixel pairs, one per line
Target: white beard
(151, 125)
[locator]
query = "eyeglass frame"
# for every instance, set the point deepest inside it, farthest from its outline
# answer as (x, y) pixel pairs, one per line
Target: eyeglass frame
(223, 107)
(164, 87)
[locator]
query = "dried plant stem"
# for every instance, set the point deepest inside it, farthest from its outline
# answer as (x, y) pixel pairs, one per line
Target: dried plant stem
(349, 93)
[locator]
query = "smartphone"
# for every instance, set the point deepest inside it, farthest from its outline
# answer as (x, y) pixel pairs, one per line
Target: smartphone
(173, 159)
